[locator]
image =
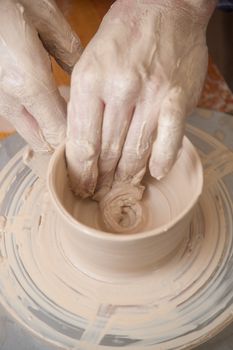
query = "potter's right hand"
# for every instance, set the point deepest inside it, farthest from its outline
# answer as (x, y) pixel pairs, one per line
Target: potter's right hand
(29, 97)
(135, 83)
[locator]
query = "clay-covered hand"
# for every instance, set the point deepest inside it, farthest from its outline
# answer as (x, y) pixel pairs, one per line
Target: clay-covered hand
(29, 97)
(137, 80)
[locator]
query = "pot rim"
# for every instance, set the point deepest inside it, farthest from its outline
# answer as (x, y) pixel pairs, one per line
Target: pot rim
(119, 237)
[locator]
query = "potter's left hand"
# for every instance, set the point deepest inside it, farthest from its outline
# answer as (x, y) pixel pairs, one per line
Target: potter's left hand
(29, 97)
(137, 80)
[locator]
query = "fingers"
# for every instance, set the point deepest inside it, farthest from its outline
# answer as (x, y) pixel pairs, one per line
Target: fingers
(49, 110)
(138, 143)
(85, 115)
(29, 129)
(55, 32)
(117, 117)
(26, 73)
(169, 133)
(23, 122)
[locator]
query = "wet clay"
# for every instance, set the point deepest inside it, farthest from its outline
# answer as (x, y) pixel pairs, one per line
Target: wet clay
(124, 209)
(121, 209)
(130, 300)
(164, 214)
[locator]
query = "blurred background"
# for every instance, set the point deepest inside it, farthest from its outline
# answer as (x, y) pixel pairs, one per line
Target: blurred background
(220, 43)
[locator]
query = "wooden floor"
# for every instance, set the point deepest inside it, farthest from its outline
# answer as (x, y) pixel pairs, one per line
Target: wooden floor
(84, 17)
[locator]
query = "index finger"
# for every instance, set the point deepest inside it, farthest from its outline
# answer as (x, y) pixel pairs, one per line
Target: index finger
(85, 116)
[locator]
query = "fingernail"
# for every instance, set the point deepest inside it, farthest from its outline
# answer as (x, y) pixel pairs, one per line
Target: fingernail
(159, 173)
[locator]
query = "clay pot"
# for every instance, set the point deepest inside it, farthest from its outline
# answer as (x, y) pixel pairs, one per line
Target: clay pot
(168, 207)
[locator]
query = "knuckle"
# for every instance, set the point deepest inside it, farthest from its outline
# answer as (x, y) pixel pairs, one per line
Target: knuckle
(85, 79)
(87, 151)
(110, 152)
(125, 85)
(137, 154)
(82, 151)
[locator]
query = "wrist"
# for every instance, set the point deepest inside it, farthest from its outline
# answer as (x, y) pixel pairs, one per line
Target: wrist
(202, 10)
(201, 5)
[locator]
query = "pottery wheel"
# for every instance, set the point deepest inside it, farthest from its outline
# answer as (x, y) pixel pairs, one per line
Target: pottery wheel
(179, 305)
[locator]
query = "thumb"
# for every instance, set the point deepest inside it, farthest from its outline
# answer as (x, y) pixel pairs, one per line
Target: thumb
(55, 32)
